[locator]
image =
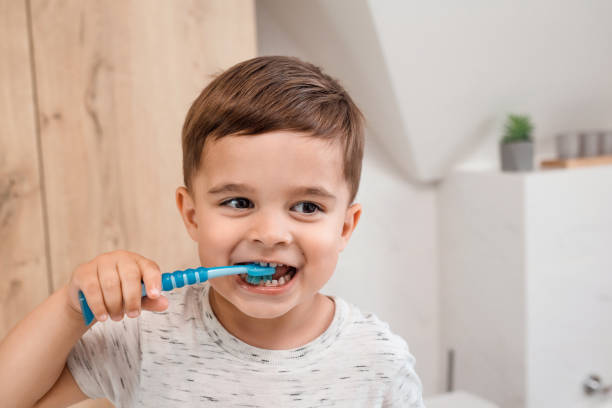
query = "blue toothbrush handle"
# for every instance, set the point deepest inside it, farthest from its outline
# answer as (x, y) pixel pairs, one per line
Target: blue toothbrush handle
(170, 281)
(87, 313)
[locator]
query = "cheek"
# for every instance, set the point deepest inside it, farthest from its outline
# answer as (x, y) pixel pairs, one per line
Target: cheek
(215, 235)
(321, 244)
(214, 228)
(321, 251)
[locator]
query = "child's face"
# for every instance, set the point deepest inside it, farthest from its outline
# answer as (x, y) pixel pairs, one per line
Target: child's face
(271, 216)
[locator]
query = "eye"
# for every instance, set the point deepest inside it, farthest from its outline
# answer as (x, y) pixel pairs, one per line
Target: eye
(241, 203)
(308, 207)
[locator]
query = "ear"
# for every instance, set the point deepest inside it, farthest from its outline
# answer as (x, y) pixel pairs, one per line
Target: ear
(186, 206)
(353, 213)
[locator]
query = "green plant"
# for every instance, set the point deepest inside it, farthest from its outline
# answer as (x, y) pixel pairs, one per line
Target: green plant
(518, 129)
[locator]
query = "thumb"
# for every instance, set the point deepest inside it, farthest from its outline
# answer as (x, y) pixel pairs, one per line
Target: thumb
(155, 305)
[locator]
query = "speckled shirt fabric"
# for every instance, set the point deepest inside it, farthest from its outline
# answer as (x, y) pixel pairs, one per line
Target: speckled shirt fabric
(184, 357)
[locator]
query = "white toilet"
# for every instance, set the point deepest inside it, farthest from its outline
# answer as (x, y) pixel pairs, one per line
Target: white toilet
(458, 399)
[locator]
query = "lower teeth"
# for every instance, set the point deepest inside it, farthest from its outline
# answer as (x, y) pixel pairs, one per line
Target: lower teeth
(273, 282)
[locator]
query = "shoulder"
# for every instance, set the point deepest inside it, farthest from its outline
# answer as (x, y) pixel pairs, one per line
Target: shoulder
(367, 329)
(404, 387)
(375, 338)
(377, 347)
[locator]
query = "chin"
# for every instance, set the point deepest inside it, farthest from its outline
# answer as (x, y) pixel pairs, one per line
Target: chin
(264, 311)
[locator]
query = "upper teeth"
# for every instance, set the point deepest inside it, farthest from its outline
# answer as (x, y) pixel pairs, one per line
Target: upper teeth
(271, 264)
(267, 264)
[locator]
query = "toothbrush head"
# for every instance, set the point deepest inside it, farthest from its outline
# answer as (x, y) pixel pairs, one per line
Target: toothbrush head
(258, 270)
(258, 273)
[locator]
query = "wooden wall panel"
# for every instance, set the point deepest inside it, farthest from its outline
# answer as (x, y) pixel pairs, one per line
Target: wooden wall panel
(24, 279)
(115, 80)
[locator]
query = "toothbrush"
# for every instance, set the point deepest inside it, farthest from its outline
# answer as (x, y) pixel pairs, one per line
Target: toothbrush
(178, 279)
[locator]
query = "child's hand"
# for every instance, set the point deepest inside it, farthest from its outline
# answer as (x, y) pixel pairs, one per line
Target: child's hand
(111, 284)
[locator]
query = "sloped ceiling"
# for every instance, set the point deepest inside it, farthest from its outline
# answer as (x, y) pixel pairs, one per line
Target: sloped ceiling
(436, 79)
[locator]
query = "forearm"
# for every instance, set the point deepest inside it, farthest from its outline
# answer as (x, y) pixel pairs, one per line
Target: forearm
(33, 354)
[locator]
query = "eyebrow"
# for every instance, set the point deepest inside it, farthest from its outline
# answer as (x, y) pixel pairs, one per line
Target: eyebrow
(242, 188)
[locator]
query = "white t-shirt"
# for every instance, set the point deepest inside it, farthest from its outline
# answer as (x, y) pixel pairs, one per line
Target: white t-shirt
(184, 357)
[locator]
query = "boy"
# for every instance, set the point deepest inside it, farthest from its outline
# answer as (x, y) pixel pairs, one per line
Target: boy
(272, 152)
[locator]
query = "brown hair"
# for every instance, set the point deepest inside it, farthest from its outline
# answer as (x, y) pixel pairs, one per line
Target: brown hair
(265, 94)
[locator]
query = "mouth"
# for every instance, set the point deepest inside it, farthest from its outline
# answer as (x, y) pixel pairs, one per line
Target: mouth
(282, 276)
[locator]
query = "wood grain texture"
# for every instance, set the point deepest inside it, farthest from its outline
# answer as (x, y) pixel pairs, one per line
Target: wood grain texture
(23, 266)
(115, 80)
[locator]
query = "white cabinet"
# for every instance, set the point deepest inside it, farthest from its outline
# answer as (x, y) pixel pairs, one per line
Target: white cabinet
(526, 284)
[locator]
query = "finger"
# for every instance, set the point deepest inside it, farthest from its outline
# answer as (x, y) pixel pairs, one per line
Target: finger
(131, 281)
(111, 288)
(151, 275)
(155, 305)
(90, 286)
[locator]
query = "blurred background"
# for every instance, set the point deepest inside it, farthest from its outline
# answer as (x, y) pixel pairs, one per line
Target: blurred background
(498, 276)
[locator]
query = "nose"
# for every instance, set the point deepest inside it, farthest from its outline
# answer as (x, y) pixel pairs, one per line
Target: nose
(269, 230)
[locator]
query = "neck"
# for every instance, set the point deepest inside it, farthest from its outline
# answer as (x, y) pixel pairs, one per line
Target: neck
(299, 326)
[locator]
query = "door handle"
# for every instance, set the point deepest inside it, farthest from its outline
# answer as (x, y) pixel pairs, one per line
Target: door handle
(594, 385)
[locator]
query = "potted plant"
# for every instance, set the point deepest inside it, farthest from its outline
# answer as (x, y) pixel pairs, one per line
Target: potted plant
(516, 147)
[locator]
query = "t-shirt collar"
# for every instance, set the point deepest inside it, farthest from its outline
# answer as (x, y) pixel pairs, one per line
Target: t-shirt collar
(297, 357)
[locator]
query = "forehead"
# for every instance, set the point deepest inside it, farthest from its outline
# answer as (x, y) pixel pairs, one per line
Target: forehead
(273, 160)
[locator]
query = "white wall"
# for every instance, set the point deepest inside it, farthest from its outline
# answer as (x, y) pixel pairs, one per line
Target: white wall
(458, 67)
(389, 267)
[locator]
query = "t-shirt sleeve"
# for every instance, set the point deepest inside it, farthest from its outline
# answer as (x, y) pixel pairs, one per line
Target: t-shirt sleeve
(405, 389)
(105, 362)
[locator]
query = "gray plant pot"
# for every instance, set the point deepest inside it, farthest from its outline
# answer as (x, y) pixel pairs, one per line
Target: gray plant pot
(517, 156)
